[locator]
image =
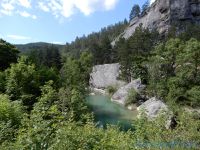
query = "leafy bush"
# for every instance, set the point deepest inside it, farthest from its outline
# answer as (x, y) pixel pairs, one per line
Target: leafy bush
(10, 118)
(154, 135)
(111, 90)
(9, 111)
(132, 98)
(2, 82)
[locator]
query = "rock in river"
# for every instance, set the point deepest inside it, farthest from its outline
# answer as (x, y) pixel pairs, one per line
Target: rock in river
(153, 107)
(121, 95)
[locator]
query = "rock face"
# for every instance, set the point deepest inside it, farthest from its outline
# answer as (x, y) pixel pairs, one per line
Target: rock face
(106, 75)
(164, 13)
(152, 108)
(121, 95)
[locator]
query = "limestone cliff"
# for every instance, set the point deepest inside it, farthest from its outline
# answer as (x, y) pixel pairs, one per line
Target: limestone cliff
(164, 13)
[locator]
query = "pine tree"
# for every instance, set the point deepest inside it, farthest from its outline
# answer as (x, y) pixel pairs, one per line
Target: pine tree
(145, 6)
(135, 12)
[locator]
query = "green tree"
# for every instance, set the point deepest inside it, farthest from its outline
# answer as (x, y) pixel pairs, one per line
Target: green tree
(2, 82)
(20, 84)
(38, 129)
(133, 97)
(11, 114)
(145, 6)
(106, 50)
(163, 65)
(190, 61)
(71, 74)
(141, 43)
(124, 54)
(53, 58)
(184, 87)
(135, 12)
(86, 63)
(8, 54)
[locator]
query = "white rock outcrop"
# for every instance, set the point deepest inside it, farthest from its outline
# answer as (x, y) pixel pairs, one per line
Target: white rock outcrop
(105, 75)
(121, 95)
(152, 108)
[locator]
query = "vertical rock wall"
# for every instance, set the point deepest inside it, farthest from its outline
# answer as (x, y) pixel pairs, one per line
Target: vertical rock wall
(164, 13)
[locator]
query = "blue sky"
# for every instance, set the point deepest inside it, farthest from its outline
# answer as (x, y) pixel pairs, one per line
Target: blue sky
(58, 21)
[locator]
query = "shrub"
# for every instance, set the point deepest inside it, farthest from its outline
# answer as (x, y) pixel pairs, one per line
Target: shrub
(111, 90)
(133, 97)
(10, 118)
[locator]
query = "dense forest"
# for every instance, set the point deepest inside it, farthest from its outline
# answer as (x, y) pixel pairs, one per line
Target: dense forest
(43, 91)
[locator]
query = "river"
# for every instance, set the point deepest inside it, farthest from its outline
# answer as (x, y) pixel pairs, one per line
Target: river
(108, 112)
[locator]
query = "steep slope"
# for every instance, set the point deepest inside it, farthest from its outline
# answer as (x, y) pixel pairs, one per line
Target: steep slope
(162, 14)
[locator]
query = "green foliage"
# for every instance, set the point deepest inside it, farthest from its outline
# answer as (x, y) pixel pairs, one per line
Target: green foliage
(71, 73)
(8, 54)
(145, 6)
(154, 135)
(20, 81)
(10, 111)
(10, 118)
(162, 65)
(86, 63)
(133, 54)
(111, 90)
(44, 74)
(190, 31)
(88, 137)
(49, 56)
(133, 97)
(103, 52)
(174, 71)
(2, 82)
(124, 51)
(194, 96)
(98, 43)
(57, 116)
(135, 12)
(23, 81)
(75, 72)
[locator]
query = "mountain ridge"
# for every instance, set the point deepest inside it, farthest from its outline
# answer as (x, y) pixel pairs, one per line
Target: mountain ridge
(37, 45)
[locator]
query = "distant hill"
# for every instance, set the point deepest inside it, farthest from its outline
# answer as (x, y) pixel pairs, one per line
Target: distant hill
(39, 46)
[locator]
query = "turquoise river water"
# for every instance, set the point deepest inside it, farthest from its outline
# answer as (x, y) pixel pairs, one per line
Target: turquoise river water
(108, 112)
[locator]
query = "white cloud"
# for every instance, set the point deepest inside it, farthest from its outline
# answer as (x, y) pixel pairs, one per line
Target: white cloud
(110, 4)
(59, 8)
(13, 7)
(43, 7)
(7, 8)
(18, 37)
(26, 14)
(66, 8)
(25, 3)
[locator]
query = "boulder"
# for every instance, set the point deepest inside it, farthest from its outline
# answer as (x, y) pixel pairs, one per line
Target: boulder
(122, 93)
(152, 108)
(105, 75)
